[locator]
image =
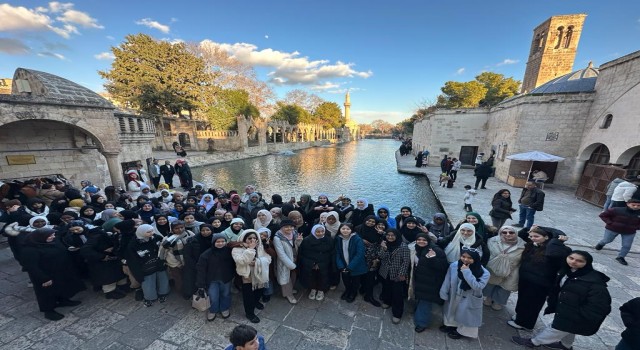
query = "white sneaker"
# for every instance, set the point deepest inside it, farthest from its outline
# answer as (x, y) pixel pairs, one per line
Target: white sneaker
(320, 295)
(312, 294)
(292, 300)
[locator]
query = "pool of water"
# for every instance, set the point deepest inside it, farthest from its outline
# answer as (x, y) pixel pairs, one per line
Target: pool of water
(363, 169)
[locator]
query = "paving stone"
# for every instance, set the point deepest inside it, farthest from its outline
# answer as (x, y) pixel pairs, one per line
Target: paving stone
(311, 344)
(184, 329)
(397, 334)
(102, 340)
(161, 345)
(332, 316)
(9, 302)
(94, 324)
(21, 343)
(276, 309)
(327, 335)
(368, 323)
(384, 345)
(49, 328)
(215, 332)
(58, 340)
(126, 306)
(118, 346)
(133, 320)
(360, 339)
(299, 318)
(197, 344)
(5, 319)
(284, 338)
(18, 327)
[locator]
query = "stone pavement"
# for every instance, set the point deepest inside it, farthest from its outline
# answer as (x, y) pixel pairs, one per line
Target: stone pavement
(331, 324)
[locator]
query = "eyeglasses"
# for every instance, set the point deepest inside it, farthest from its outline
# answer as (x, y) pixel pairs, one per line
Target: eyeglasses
(508, 232)
(474, 250)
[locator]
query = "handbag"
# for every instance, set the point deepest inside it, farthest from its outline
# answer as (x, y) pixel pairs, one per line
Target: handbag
(200, 300)
(500, 266)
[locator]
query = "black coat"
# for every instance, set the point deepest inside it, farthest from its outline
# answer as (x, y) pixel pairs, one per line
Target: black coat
(51, 262)
(483, 171)
(358, 215)
(194, 247)
(630, 313)
(501, 208)
(581, 304)
(537, 198)
(94, 252)
(429, 274)
(215, 264)
(540, 265)
(142, 257)
(167, 171)
(314, 251)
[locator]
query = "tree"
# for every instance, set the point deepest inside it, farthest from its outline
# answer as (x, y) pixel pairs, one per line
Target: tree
(155, 76)
(461, 95)
(303, 99)
(329, 114)
(380, 126)
(498, 87)
(227, 106)
(293, 114)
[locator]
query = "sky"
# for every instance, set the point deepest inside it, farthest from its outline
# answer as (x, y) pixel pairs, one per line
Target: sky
(392, 56)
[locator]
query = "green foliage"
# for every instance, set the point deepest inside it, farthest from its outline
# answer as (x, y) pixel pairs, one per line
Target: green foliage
(488, 89)
(155, 76)
(292, 114)
(227, 106)
(329, 114)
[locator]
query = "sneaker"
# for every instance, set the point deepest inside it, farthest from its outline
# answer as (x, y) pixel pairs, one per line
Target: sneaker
(557, 345)
(225, 314)
(446, 329)
(395, 320)
(320, 295)
(373, 302)
(312, 294)
(211, 316)
(622, 260)
(496, 307)
(114, 294)
(147, 303)
(419, 329)
(53, 315)
(292, 300)
(599, 246)
(454, 335)
(162, 298)
(516, 326)
(526, 342)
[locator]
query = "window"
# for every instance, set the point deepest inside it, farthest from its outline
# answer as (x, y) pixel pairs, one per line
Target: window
(607, 121)
(600, 155)
(567, 38)
(140, 127)
(560, 36)
(132, 125)
(123, 126)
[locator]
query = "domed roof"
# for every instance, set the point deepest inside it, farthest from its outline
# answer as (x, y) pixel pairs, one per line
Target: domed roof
(583, 80)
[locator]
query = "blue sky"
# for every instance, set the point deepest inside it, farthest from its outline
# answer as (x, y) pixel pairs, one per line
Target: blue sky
(391, 54)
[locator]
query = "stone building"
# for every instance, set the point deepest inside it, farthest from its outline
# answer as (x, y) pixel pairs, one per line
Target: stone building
(51, 126)
(589, 117)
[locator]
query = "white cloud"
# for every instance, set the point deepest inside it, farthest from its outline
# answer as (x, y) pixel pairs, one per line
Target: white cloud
(266, 37)
(343, 90)
(460, 71)
(51, 54)
(366, 117)
(507, 61)
(19, 18)
(289, 68)
(107, 55)
(324, 86)
(13, 46)
(154, 25)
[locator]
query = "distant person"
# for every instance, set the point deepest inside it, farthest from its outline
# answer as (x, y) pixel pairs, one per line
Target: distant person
(610, 188)
(419, 160)
(482, 173)
(623, 192)
(501, 207)
(168, 171)
(469, 195)
(154, 171)
(531, 200)
(443, 164)
(453, 173)
(478, 160)
(623, 222)
(180, 152)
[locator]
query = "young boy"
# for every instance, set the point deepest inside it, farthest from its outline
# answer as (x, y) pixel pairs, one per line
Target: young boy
(244, 337)
(468, 198)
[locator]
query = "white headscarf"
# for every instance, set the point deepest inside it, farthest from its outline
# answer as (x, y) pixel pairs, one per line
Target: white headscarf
(333, 229)
(453, 248)
(366, 203)
(257, 223)
(206, 205)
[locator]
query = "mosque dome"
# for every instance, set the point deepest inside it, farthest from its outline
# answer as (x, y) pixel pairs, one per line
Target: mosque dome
(583, 80)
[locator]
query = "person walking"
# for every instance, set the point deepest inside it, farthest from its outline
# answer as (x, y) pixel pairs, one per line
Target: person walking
(580, 301)
(154, 172)
(624, 222)
(531, 200)
(501, 207)
(168, 171)
(482, 173)
(457, 164)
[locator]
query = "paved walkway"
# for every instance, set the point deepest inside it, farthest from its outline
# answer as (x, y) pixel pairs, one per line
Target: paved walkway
(331, 324)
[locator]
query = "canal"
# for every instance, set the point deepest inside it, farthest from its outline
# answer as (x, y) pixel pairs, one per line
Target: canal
(363, 169)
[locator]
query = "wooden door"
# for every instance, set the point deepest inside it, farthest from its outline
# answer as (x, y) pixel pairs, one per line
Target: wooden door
(594, 181)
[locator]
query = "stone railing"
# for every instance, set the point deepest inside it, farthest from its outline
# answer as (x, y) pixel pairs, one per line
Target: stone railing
(216, 134)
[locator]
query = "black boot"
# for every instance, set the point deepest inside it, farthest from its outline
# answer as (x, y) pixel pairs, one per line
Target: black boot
(53, 315)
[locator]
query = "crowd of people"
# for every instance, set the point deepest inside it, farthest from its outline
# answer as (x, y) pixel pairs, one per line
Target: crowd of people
(212, 241)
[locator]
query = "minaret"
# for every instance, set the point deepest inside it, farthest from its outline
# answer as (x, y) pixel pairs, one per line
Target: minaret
(347, 108)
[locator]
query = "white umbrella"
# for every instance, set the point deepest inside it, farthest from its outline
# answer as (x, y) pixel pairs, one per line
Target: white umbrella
(535, 156)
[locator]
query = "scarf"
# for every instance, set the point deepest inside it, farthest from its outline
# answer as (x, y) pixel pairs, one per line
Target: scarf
(323, 217)
(392, 246)
(251, 205)
(453, 248)
(333, 229)
(480, 226)
(257, 223)
(313, 230)
(410, 234)
(583, 271)
(207, 205)
(476, 268)
(440, 230)
(364, 206)
(368, 233)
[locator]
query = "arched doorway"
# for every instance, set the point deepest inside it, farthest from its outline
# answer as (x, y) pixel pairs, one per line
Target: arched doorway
(600, 155)
(597, 174)
(184, 140)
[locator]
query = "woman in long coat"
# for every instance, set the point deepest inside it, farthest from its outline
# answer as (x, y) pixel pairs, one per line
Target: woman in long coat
(505, 254)
(286, 242)
(51, 271)
(394, 267)
(105, 268)
(501, 207)
(462, 295)
(315, 256)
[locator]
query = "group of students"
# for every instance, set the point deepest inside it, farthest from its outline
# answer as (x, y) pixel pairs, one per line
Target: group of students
(213, 244)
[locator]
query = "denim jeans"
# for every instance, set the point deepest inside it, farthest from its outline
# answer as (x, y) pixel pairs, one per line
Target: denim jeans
(422, 317)
(607, 204)
(526, 214)
(627, 241)
(269, 290)
(155, 284)
(220, 296)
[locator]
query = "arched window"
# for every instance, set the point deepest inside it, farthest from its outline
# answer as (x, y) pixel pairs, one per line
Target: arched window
(567, 38)
(607, 121)
(600, 155)
(541, 41)
(634, 165)
(560, 36)
(140, 127)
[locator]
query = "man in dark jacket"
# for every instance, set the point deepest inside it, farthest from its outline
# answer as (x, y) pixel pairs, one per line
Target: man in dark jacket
(531, 200)
(167, 171)
(482, 172)
(624, 222)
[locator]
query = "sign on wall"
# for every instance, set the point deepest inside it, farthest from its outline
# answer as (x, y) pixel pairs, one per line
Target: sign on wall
(21, 160)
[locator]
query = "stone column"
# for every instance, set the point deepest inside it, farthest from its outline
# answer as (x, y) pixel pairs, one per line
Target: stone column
(114, 169)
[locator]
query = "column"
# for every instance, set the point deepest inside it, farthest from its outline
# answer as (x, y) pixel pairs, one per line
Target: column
(114, 169)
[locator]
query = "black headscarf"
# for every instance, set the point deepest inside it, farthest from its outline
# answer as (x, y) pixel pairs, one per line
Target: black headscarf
(90, 217)
(410, 234)
(367, 233)
(165, 229)
(391, 246)
(419, 249)
(39, 236)
(476, 267)
(584, 270)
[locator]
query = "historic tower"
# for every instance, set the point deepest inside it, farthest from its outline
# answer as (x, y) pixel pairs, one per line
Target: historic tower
(553, 50)
(347, 108)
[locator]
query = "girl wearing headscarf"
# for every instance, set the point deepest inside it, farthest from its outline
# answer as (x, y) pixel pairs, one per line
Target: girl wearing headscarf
(286, 242)
(105, 269)
(580, 301)
(315, 255)
(234, 230)
(465, 237)
(195, 246)
(147, 212)
(77, 235)
(276, 216)
(36, 207)
(501, 207)
(385, 214)
(162, 224)
(252, 264)
(332, 223)
(305, 207)
(208, 204)
(371, 236)
(360, 212)
(483, 230)
(276, 201)
(88, 213)
(18, 231)
(134, 186)
(51, 271)
(215, 272)
(322, 205)
(506, 251)
(253, 205)
(410, 230)
(439, 226)
(301, 226)
(350, 261)
(172, 252)
(191, 223)
(322, 218)
(146, 265)
(462, 295)
(395, 259)
(428, 268)
(406, 213)
(265, 237)
(541, 260)
(263, 219)
(97, 202)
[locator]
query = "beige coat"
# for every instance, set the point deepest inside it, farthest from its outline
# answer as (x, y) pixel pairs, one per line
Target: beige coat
(514, 254)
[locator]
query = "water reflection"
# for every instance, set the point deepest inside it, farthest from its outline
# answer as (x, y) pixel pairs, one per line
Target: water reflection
(364, 169)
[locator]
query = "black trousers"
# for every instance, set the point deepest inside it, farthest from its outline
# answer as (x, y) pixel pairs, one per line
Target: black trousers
(484, 181)
(351, 284)
(531, 298)
(250, 298)
(169, 180)
(156, 181)
(453, 174)
(368, 281)
(393, 294)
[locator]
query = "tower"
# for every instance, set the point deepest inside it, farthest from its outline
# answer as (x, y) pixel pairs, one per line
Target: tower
(553, 50)
(347, 108)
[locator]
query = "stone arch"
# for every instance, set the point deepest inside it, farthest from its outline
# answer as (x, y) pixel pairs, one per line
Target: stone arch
(628, 156)
(587, 151)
